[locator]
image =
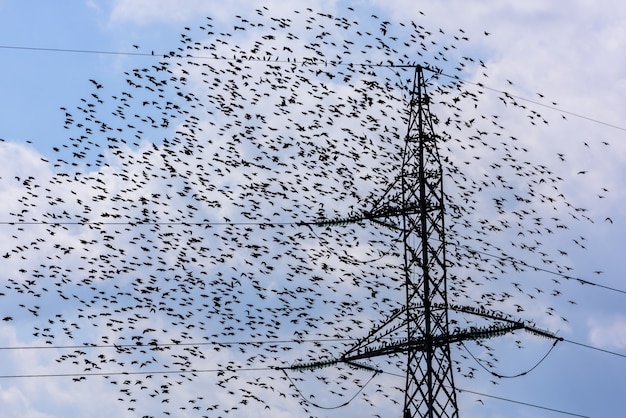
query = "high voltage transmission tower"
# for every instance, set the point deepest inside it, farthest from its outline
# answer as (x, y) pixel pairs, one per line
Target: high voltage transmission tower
(414, 204)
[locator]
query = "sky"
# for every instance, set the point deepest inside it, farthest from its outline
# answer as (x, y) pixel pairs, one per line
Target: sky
(568, 63)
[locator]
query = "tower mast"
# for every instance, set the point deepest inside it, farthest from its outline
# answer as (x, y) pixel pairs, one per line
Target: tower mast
(419, 202)
(413, 203)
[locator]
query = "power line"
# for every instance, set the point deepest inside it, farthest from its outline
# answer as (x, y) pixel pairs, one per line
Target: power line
(500, 376)
(140, 372)
(180, 344)
(310, 62)
(310, 401)
(224, 343)
(560, 411)
(551, 107)
(536, 268)
(130, 223)
(595, 348)
(268, 223)
(504, 399)
(79, 51)
(250, 369)
(209, 223)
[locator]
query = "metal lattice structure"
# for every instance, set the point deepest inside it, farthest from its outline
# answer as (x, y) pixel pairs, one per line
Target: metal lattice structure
(429, 384)
(414, 204)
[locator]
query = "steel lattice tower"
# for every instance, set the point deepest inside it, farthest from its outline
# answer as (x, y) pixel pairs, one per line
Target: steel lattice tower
(413, 203)
(429, 382)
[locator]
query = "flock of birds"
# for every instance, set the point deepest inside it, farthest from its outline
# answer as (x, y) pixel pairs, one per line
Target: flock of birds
(180, 236)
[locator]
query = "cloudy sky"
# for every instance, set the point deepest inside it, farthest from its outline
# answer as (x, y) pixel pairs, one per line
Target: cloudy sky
(565, 61)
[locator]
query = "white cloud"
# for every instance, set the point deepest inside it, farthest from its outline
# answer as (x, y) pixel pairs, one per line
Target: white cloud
(172, 11)
(15, 403)
(157, 11)
(531, 43)
(608, 332)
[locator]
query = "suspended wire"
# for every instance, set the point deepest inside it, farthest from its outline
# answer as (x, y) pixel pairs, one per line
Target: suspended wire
(595, 348)
(582, 281)
(140, 372)
(79, 51)
(352, 259)
(551, 107)
(180, 344)
(130, 223)
(310, 402)
(312, 62)
(560, 411)
(456, 388)
(500, 376)
(248, 369)
(309, 224)
(537, 268)
(499, 398)
(251, 342)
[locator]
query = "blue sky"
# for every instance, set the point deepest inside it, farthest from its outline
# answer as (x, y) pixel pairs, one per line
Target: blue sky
(572, 56)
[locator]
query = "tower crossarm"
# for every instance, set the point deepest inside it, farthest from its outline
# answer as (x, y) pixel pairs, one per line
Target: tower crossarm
(380, 216)
(421, 344)
(500, 316)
